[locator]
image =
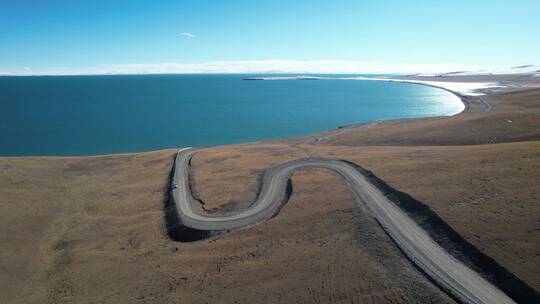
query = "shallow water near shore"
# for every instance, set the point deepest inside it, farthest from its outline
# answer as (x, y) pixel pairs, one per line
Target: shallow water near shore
(90, 115)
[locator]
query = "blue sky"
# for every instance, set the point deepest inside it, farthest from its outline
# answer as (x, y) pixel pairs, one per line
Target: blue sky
(78, 35)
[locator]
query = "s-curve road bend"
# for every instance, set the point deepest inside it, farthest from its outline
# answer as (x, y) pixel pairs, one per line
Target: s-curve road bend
(450, 274)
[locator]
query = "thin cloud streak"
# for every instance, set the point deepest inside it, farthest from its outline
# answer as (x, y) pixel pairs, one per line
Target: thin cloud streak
(187, 34)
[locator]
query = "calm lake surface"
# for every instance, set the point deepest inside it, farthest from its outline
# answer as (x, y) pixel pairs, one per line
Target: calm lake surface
(89, 115)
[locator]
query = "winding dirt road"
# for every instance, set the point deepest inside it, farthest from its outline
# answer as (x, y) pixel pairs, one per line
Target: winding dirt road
(449, 273)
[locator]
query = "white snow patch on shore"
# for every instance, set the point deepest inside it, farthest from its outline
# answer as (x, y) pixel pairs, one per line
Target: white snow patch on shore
(462, 88)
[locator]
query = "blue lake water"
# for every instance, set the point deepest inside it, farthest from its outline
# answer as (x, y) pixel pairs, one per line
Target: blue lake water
(89, 115)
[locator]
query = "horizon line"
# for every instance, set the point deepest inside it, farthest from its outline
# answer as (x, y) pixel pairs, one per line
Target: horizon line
(272, 66)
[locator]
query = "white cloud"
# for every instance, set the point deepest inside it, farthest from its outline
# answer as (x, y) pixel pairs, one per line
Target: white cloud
(187, 34)
(255, 66)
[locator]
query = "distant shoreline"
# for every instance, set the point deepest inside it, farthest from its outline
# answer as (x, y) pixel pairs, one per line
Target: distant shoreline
(461, 96)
